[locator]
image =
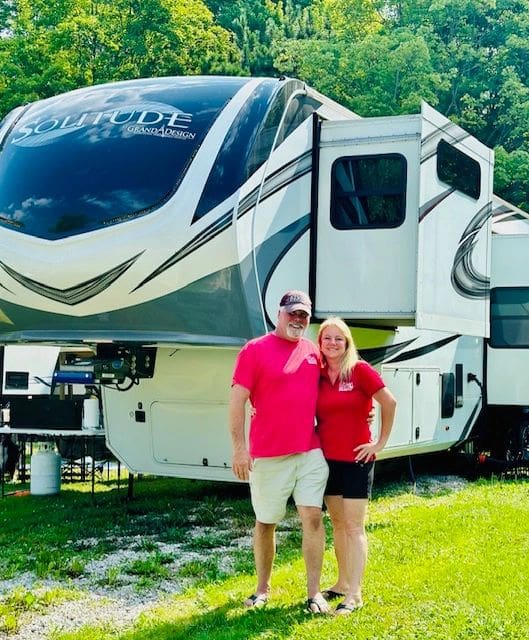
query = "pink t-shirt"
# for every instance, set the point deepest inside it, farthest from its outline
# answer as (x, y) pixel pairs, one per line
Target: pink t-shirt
(282, 378)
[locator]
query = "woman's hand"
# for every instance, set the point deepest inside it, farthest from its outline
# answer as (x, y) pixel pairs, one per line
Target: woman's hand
(366, 452)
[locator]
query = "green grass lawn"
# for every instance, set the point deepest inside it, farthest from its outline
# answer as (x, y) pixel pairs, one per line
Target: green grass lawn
(443, 566)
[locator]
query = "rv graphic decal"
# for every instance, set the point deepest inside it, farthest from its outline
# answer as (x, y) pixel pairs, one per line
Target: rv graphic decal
(281, 178)
(78, 293)
(429, 206)
(198, 241)
(422, 351)
(429, 143)
(376, 355)
(466, 280)
(276, 181)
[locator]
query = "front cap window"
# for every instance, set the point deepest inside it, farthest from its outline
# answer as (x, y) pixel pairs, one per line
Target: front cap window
(98, 156)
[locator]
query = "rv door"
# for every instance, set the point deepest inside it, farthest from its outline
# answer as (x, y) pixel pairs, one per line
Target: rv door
(401, 227)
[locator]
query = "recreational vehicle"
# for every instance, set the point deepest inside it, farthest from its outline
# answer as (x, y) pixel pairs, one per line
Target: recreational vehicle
(157, 222)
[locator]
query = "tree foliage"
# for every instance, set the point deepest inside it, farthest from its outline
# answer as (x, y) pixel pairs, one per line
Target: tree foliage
(51, 47)
(469, 58)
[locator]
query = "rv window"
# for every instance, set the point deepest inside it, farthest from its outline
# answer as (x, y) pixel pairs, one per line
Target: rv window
(249, 141)
(448, 397)
(266, 136)
(229, 169)
(509, 317)
(300, 108)
(368, 191)
(458, 170)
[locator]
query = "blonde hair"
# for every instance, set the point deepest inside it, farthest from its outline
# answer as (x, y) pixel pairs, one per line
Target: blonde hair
(350, 356)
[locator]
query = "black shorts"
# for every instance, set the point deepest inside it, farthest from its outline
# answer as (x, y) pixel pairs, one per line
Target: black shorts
(350, 479)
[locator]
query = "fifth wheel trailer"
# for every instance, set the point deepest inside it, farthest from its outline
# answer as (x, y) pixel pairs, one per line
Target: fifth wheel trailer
(157, 222)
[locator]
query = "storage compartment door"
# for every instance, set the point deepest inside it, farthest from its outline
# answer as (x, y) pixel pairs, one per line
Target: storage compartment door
(190, 434)
(365, 259)
(400, 383)
(418, 395)
(426, 404)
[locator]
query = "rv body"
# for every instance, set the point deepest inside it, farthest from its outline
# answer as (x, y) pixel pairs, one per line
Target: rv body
(159, 222)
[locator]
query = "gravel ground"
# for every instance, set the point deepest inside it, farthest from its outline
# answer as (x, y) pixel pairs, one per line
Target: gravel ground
(98, 602)
(119, 605)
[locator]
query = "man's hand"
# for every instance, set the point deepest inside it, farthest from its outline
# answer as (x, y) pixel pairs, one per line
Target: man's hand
(241, 465)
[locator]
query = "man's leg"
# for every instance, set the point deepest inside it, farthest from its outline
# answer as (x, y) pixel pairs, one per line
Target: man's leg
(271, 482)
(308, 495)
(264, 544)
(313, 547)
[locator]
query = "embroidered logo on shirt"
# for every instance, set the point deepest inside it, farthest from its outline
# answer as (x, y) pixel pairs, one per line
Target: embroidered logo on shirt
(312, 360)
(345, 386)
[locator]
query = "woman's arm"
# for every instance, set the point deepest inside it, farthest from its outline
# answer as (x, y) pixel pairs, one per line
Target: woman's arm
(387, 414)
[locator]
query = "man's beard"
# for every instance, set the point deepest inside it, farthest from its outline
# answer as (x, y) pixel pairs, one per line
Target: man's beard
(295, 331)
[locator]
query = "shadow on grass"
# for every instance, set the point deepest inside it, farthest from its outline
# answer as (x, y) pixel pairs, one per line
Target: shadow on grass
(230, 621)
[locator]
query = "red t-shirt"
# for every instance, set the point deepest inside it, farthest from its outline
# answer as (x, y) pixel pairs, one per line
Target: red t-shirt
(282, 377)
(342, 411)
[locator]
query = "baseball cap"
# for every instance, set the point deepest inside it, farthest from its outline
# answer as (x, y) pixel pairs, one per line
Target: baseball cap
(296, 301)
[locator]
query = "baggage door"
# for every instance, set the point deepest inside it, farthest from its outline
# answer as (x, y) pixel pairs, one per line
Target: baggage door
(418, 394)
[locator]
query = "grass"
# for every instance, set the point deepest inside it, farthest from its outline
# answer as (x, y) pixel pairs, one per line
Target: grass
(444, 565)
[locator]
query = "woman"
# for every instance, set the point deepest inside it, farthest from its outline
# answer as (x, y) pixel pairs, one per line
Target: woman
(347, 386)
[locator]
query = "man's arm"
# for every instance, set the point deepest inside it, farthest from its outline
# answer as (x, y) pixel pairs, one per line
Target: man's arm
(241, 462)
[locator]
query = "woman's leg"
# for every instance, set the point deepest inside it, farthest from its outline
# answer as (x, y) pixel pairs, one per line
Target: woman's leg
(335, 507)
(354, 516)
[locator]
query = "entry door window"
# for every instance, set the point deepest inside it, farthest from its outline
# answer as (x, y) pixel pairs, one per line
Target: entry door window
(368, 191)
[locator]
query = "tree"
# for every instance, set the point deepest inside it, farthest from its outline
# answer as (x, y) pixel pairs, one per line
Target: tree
(260, 25)
(480, 49)
(355, 60)
(511, 176)
(49, 48)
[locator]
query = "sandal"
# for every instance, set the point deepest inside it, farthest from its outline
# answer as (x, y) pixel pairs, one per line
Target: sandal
(317, 605)
(330, 594)
(256, 600)
(347, 608)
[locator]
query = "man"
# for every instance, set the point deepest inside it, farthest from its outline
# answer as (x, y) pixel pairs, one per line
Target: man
(278, 374)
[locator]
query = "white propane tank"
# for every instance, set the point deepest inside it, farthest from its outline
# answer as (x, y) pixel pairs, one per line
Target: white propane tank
(45, 477)
(90, 414)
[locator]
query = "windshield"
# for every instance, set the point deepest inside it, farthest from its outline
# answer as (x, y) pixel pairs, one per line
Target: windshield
(98, 156)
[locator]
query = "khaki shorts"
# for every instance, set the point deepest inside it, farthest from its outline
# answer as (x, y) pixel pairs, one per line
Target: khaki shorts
(273, 480)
